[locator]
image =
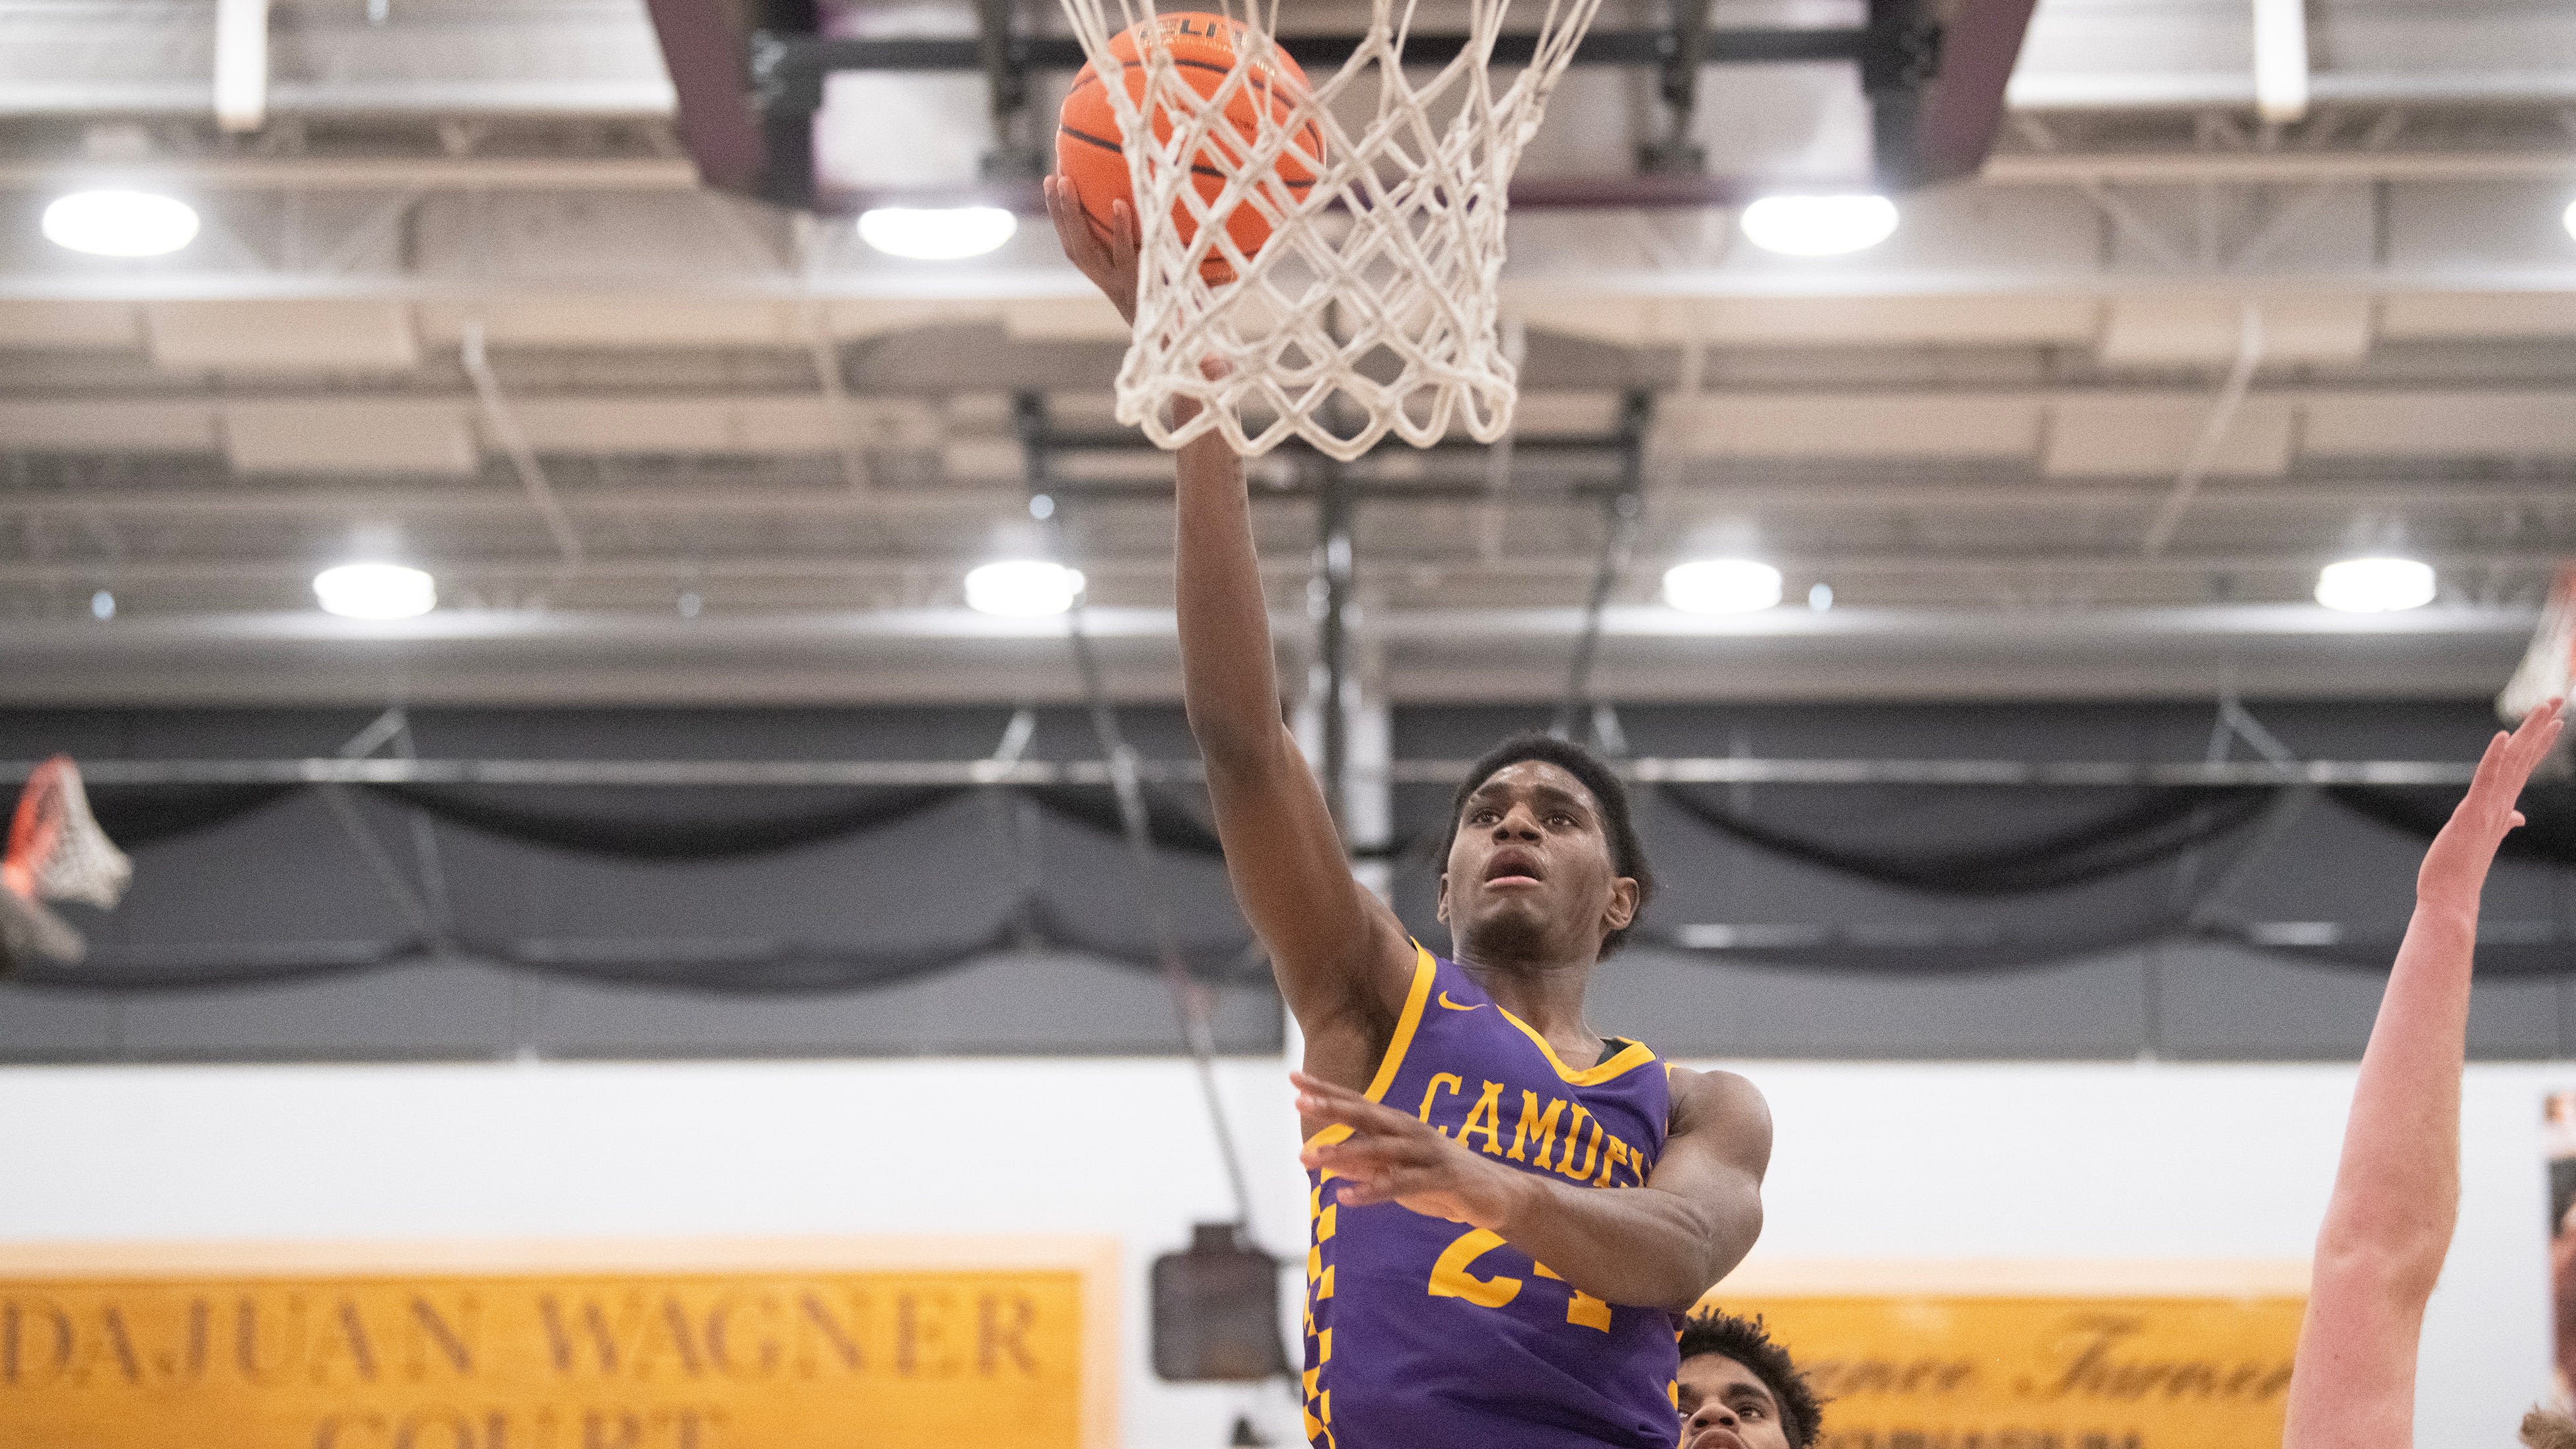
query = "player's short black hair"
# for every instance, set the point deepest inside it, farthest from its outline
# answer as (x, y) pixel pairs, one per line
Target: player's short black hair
(1618, 822)
(1748, 1342)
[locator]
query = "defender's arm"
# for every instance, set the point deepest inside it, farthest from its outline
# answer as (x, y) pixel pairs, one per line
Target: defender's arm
(1657, 1246)
(1341, 956)
(2397, 1190)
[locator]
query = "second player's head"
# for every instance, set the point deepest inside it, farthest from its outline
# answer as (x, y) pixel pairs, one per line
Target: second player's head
(1542, 860)
(1740, 1390)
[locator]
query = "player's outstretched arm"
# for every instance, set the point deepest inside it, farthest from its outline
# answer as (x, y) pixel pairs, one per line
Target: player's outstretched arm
(1657, 1246)
(2397, 1189)
(1343, 960)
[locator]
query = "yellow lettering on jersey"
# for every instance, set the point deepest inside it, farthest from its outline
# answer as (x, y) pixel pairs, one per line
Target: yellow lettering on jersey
(1534, 1125)
(1486, 1117)
(1591, 1148)
(1582, 1310)
(1617, 1153)
(1450, 1278)
(1455, 1082)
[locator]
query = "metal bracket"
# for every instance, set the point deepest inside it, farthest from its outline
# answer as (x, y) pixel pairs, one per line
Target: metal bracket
(1621, 512)
(1904, 48)
(1016, 155)
(1675, 153)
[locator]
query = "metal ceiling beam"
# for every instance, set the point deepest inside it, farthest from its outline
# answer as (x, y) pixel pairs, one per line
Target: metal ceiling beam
(952, 655)
(700, 565)
(927, 655)
(1988, 628)
(1718, 489)
(360, 173)
(999, 285)
(651, 173)
(845, 774)
(2248, 168)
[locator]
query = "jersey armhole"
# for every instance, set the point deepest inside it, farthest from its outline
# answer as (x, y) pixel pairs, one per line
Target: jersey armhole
(1425, 969)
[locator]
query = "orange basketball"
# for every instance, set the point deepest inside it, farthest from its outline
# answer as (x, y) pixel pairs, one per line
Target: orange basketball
(1086, 137)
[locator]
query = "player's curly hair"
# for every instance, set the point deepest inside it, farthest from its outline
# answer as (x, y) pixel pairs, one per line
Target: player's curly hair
(2542, 1429)
(1748, 1341)
(1618, 821)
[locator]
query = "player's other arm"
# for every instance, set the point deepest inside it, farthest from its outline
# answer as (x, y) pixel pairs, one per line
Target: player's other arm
(2397, 1189)
(1657, 1246)
(1342, 958)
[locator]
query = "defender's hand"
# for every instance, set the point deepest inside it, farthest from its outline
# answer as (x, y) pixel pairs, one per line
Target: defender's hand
(1391, 1157)
(1109, 262)
(2455, 868)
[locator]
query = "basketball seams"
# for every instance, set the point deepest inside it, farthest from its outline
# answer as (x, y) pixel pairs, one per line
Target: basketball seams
(1088, 139)
(1097, 166)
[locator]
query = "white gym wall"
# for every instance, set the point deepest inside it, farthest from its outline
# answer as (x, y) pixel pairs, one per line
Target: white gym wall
(1903, 1161)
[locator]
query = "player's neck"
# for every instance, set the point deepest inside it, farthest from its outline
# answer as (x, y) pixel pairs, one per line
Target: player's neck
(1546, 995)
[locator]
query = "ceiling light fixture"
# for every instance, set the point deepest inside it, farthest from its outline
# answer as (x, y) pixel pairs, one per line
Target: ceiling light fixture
(1721, 586)
(375, 591)
(1819, 226)
(120, 223)
(2568, 219)
(937, 234)
(1023, 588)
(2375, 585)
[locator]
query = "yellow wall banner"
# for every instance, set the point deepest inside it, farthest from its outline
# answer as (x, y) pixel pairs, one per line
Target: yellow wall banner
(889, 1343)
(2035, 1355)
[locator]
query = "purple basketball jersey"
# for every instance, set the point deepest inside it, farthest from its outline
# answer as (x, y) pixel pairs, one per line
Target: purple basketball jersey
(1423, 1333)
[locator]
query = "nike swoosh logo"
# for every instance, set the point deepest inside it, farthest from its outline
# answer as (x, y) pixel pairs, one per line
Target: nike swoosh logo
(1453, 1006)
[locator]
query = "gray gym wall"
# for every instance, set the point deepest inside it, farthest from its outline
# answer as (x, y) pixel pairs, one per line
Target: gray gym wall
(288, 874)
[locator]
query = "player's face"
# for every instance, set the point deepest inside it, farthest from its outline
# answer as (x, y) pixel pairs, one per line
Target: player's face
(1530, 872)
(1726, 1406)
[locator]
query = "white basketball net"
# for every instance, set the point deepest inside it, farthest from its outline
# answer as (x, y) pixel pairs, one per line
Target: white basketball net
(1373, 306)
(2548, 667)
(56, 846)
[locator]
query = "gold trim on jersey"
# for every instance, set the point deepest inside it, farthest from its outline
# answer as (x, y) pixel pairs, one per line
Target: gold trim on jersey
(1636, 1054)
(1425, 969)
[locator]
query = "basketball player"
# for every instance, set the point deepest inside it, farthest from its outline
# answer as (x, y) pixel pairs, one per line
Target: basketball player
(2397, 1190)
(1474, 1279)
(1741, 1390)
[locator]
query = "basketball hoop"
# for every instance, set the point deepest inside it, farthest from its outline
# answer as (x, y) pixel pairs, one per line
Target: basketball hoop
(2551, 662)
(57, 852)
(1373, 305)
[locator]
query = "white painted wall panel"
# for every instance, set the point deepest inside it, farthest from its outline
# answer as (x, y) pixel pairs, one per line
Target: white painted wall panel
(2131, 436)
(2210, 332)
(284, 337)
(88, 326)
(1855, 425)
(1899, 321)
(615, 322)
(108, 427)
(354, 436)
(2433, 425)
(2409, 317)
(1900, 1160)
(766, 424)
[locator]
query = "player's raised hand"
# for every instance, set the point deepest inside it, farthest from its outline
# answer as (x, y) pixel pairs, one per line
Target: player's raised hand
(1393, 1157)
(2455, 868)
(1110, 262)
